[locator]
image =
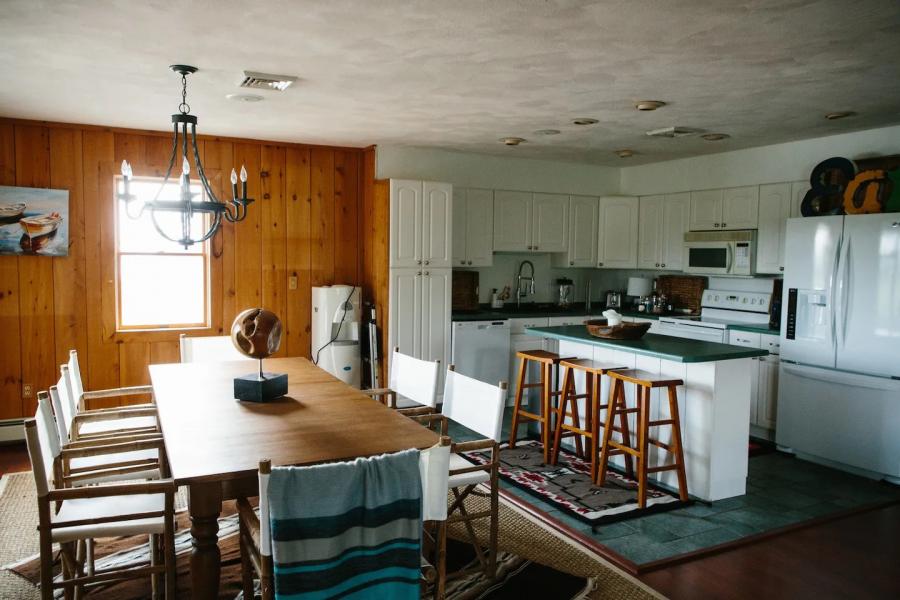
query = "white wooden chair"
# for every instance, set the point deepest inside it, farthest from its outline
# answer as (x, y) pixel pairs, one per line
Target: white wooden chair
(73, 517)
(208, 349)
(411, 379)
(78, 424)
(256, 537)
(477, 406)
(81, 397)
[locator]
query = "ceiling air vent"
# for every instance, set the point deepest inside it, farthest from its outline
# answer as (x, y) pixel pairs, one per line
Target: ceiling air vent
(266, 81)
(672, 132)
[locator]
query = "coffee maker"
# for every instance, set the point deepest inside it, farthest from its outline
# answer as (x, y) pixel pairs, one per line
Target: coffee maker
(566, 291)
(613, 299)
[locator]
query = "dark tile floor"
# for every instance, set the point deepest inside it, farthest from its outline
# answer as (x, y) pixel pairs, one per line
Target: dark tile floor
(781, 490)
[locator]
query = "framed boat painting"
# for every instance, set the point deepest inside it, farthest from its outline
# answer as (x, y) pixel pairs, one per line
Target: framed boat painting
(34, 221)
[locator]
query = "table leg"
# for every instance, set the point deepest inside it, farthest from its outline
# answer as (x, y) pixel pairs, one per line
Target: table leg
(204, 505)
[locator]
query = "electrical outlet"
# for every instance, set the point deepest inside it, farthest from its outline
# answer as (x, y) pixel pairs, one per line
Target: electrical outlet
(292, 282)
(27, 390)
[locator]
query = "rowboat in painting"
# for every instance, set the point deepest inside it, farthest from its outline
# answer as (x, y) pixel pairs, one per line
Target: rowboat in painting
(40, 225)
(11, 212)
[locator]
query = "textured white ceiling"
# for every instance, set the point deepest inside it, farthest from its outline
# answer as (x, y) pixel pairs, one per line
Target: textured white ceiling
(460, 74)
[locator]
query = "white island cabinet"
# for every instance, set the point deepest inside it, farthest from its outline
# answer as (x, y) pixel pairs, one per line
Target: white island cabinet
(713, 403)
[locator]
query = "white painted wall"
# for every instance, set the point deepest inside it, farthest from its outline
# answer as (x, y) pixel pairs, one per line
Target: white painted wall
(792, 161)
(495, 172)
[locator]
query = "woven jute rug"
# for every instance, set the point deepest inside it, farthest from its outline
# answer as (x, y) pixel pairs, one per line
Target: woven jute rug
(520, 534)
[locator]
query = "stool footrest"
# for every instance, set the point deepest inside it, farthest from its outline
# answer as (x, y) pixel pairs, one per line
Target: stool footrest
(659, 444)
(531, 385)
(662, 468)
(661, 422)
(570, 430)
(625, 449)
(530, 415)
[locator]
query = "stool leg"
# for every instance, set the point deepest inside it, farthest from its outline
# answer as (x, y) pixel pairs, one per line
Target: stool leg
(607, 432)
(676, 443)
(623, 424)
(643, 395)
(517, 404)
(576, 419)
(594, 422)
(563, 403)
(546, 411)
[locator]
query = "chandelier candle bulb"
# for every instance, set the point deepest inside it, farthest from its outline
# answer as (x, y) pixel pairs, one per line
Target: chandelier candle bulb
(234, 181)
(243, 181)
(185, 166)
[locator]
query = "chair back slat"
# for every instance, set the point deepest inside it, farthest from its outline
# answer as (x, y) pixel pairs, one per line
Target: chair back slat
(208, 349)
(43, 444)
(434, 468)
(60, 408)
(265, 527)
(75, 381)
(414, 379)
(69, 401)
(474, 404)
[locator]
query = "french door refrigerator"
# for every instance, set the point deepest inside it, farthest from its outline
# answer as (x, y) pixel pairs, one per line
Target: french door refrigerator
(839, 383)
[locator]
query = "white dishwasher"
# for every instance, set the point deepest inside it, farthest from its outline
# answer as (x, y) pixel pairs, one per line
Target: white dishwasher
(480, 349)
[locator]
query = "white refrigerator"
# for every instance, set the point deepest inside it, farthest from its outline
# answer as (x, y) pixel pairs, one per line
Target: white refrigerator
(839, 384)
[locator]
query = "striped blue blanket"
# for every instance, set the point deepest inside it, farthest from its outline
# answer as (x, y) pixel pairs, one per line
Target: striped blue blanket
(347, 530)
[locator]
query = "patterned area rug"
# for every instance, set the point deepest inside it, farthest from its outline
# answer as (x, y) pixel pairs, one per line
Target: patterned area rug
(568, 486)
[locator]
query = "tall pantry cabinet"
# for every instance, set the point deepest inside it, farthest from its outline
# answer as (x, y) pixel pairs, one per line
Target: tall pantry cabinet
(421, 220)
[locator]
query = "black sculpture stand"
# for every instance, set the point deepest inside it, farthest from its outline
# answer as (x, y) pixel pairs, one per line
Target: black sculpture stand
(260, 387)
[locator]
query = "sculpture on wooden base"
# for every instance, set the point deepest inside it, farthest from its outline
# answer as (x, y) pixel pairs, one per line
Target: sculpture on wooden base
(256, 333)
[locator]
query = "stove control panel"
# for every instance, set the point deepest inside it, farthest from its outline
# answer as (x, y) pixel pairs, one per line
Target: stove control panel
(747, 301)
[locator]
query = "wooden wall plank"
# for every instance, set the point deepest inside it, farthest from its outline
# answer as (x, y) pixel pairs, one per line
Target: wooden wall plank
(299, 300)
(272, 217)
(38, 346)
(346, 217)
(322, 216)
(69, 277)
(134, 358)
(219, 155)
(102, 367)
(247, 238)
(164, 352)
(10, 356)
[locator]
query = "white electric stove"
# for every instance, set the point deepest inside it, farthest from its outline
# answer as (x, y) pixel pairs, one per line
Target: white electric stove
(719, 309)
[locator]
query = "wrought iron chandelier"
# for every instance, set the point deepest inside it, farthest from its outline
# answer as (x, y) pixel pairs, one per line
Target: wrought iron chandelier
(234, 210)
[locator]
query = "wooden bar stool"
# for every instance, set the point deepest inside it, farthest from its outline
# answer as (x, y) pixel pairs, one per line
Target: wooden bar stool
(644, 382)
(568, 407)
(548, 361)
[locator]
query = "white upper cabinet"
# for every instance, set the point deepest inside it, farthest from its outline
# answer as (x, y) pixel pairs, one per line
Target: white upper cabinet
(775, 202)
(421, 223)
(706, 210)
(798, 192)
(437, 224)
(732, 208)
(473, 227)
(662, 223)
(740, 207)
(617, 244)
(582, 246)
(512, 221)
(550, 223)
(528, 222)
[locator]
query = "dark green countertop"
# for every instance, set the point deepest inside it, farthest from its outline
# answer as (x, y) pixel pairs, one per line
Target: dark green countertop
(660, 346)
(764, 329)
(527, 312)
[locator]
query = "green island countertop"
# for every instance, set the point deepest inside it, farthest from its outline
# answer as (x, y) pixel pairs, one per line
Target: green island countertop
(660, 346)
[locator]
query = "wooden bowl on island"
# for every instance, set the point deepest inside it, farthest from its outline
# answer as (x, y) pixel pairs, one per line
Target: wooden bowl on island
(623, 331)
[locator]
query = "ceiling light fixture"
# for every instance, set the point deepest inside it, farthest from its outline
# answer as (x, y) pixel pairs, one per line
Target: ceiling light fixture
(715, 137)
(188, 205)
(672, 132)
(647, 105)
(512, 141)
(547, 132)
(244, 97)
(584, 121)
(834, 116)
(624, 153)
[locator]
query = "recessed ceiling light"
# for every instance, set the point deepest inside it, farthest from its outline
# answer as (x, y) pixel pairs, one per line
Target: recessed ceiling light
(512, 141)
(672, 132)
(649, 104)
(244, 97)
(547, 132)
(715, 137)
(584, 121)
(624, 153)
(834, 116)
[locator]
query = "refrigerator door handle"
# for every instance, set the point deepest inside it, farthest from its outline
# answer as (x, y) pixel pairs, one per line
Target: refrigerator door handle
(835, 309)
(845, 292)
(840, 377)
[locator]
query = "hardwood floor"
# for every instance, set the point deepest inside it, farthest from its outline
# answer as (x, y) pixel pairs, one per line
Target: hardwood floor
(854, 557)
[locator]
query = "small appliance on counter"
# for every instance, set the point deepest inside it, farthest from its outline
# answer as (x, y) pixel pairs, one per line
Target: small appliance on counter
(566, 292)
(638, 288)
(464, 294)
(613, 299)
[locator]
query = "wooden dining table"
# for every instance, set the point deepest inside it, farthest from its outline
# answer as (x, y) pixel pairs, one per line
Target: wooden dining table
(214, 443)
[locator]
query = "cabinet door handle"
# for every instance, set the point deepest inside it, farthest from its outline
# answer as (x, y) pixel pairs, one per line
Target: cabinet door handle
(715, 225)
(663, 265)
(419, 274)
(599, 264)
(470, 262)
(462, 262)
(657, 264)
(781, 268)
(418, 262)
(571, 263)
(535, 247)
(426, 273)
(724, 224)
(426, 262)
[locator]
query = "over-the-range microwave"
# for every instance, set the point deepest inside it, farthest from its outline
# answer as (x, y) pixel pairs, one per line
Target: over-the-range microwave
(720, 252)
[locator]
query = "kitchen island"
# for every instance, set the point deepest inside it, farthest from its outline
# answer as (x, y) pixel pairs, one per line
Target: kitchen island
(714, 403)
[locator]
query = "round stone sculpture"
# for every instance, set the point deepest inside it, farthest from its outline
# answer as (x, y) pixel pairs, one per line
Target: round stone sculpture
(256, 333)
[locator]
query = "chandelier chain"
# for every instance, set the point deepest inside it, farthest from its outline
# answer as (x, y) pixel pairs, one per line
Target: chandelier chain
(184, 107)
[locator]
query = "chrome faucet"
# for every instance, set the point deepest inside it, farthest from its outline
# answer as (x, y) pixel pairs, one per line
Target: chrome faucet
(529, 282)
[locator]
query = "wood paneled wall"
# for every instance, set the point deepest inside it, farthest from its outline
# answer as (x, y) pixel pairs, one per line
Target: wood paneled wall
(305, 224)
(375, 237)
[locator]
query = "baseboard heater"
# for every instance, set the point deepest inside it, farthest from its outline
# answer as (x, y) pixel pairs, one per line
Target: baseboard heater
(12, 430)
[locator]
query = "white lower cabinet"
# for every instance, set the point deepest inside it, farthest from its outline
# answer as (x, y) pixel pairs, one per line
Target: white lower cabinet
(763, 380)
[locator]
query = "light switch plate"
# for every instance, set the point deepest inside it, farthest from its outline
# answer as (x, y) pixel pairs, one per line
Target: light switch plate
(292, 282)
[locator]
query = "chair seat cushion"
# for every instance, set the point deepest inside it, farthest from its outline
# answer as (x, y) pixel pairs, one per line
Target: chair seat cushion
(118, 457)
(94, 427)
(463, 479)
(94, 508)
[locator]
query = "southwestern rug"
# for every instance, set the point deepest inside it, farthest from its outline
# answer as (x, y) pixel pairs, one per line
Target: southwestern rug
(567, 485)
